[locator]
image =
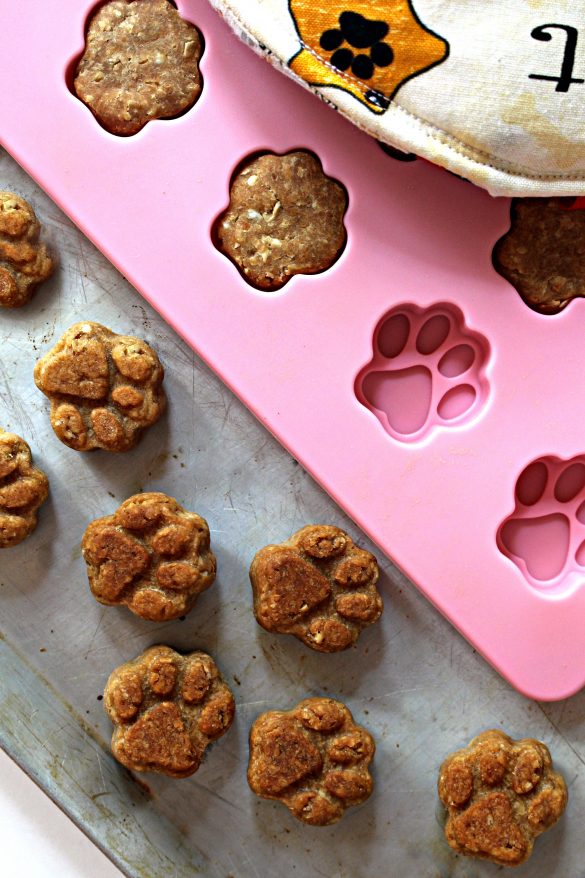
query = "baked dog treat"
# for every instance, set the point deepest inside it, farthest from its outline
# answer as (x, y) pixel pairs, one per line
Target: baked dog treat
(105, 389)
(24, 263)
(317, 585)
(141, 62)
(151, 555)
(23, 488)
(167, 708)
(313, 758)
(499, 795)
(285, 217)
(543, 254)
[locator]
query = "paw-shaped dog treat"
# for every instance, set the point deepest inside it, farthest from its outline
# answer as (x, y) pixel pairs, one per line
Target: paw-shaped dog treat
(141, 62)
(151, 555)
(167, 708)
(314, 759)
(543, 254)
(24, 263)
(319, 586)
(23, 488)
(285, 217)
(499, 795)
(104, 388)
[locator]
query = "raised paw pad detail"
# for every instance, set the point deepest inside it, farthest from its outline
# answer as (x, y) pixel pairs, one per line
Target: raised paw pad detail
(313, 758)
(167, 709)
(318, 586)
(23, 488)
(499, 795)
(545, 534)
(24, 262)
(151, 555)
(104, 388)
(427, 372)
(141, 62)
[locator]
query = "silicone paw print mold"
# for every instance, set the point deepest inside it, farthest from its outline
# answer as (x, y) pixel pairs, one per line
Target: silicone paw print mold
(368, 50)
(427, 372)
(545, 534)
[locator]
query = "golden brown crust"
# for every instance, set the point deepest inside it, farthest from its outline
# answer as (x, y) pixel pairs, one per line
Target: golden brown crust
(141, 62)
(285, 217)
(24, 263)
(543, 253)
(167, 709)
(500, 794)
(151, 555)
(318, 585)
(23, 488)
(313, 758)
(104, 388)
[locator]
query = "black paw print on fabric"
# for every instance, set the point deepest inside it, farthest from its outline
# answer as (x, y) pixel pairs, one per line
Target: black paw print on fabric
(359, 33)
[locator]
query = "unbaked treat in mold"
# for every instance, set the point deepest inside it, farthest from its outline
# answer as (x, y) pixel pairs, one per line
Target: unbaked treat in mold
(141, 62)
(314, 759)
(500, 794)
(317, 585)
(543, 253)
(150, 555)
(167, 708)
(285, 217)
(545, 534)
(104, 388)
(427, 372)
(24, 262)
(23, 488)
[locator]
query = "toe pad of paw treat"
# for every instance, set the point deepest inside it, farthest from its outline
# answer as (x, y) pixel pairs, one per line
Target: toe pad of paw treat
(499, 795)
(314, 759)
(422, 79)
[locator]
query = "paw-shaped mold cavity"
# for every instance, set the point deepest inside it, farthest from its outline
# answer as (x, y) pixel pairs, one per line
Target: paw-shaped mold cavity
(543, 253)
(427, 372)
(23, 488)
(545, 534)
(317, 585)
(314, 759)
(285, 217)
(150, 555)
(104, 388)
(499, 795)
(166, 709)
(140, 63)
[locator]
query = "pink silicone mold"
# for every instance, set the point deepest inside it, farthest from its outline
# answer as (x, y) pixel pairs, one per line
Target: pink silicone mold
(424, 450)
(545, 535)
(427, 372)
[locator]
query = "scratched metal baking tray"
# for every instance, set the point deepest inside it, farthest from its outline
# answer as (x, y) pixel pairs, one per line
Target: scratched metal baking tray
(412, 680)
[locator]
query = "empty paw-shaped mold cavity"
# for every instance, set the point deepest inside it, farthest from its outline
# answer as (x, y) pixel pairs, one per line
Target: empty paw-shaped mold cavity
(284, 217)
(541, 254)
(427, 372)
(140, 62)
(545, 534)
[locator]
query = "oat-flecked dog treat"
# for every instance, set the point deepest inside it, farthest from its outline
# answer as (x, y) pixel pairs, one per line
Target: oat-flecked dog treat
(318, 585)
(141, 62)
(105, 389)
(314, 759)
(151, 555)
(499, 795)
(285, 217)
(23, 488)
(24, 262)
(167, 708)
(543, 254)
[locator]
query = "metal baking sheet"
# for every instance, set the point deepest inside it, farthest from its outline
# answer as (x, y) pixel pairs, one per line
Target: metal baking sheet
(412, 680)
